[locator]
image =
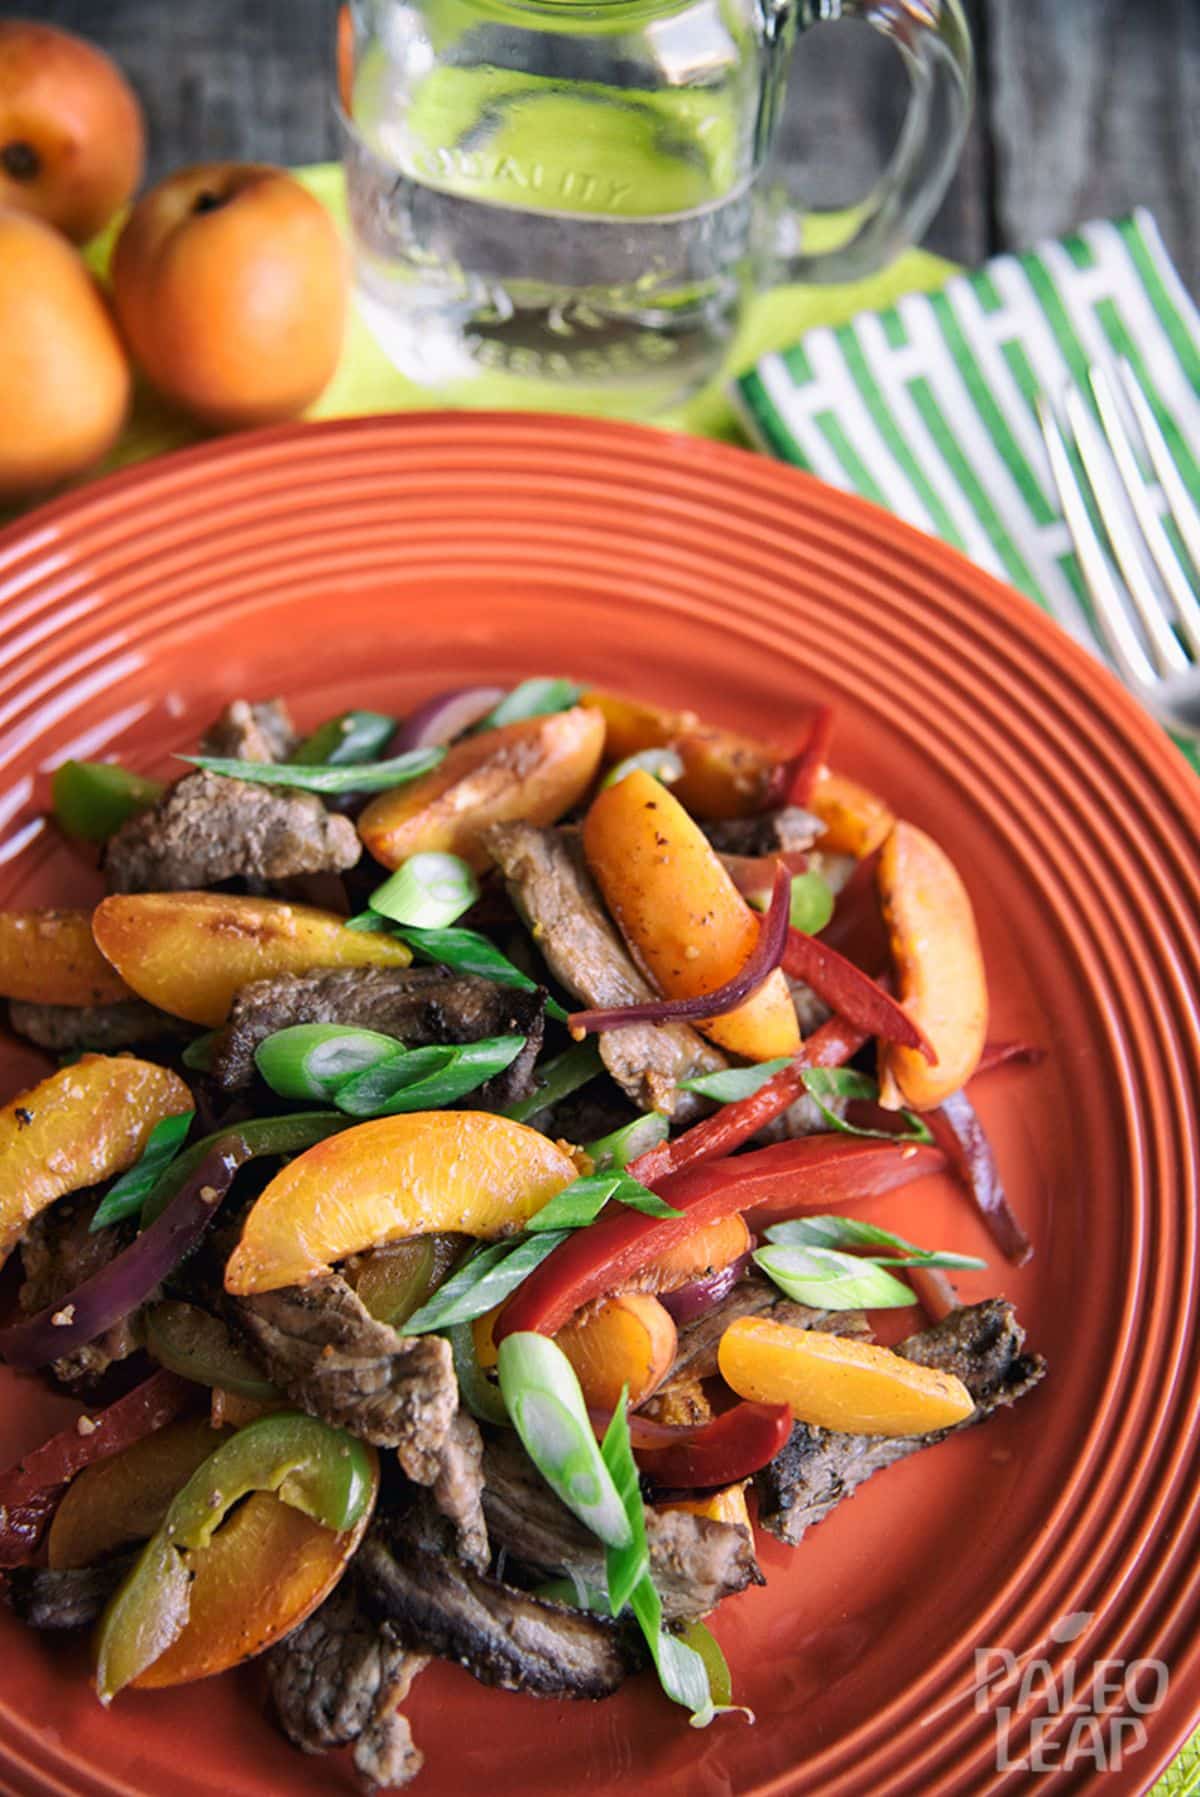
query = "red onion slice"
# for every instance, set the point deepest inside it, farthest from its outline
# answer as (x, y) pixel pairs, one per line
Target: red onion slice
(440, 719)
(688, 1302)
(762, 961)
(128, 1280)
(960, 1135)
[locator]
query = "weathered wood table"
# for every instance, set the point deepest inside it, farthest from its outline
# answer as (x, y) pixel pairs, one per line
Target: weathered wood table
(1085, 107)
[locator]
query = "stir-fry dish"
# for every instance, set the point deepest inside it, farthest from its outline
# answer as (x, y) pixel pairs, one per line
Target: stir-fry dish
(445, 1198)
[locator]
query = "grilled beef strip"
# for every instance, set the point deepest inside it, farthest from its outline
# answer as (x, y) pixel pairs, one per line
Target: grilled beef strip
(696, 1356)
(63, 1029)
(207, 828)
(552, 889)
(320, 1345)
(252, 732)
(64, 1599)
(981, 1343)
(58, 1254)
(336, 1681)
(421, 1006)
(695, 1562)
(431, 1603)
(790, 829)
(458, 1490)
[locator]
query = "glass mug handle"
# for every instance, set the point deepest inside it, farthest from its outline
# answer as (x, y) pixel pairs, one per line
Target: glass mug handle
(933, 40)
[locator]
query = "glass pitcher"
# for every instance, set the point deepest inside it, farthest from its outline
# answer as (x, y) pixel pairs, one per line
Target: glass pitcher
(567, 203)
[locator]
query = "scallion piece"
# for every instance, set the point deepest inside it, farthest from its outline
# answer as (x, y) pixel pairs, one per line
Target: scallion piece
(624, 1566)
(426, 1079)
(366, 776)
(543, 1399)
(850, 1232)
(733, 1083)
(312, 1060)
(127, 1194)
(428, 891)
(843, 1082)
(346, 741)
(581, 1202)
(827, 1280)
(484, 1280)
(262, 1135)
(464, 950)
(615, 1151)
(665, 765)
(92, 799)
(558, 1078)
(812, 902)
(532, 699)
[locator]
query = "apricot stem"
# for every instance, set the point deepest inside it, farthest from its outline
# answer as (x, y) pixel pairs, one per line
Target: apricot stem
(20, 160)
(207, 201)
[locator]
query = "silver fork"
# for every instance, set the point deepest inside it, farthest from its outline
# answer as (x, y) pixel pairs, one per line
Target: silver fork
(1149, 617)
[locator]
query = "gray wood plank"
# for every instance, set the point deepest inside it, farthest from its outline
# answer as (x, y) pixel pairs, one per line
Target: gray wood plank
(1096, 109)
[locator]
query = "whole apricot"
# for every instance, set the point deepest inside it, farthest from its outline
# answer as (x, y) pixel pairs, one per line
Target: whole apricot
(229, 282)
(71, 136)
(64, 380)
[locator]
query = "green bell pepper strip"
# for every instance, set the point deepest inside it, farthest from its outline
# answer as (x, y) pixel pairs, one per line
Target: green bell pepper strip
(323, 1472)
(190, 1342)
(346, 740)
(92, 799)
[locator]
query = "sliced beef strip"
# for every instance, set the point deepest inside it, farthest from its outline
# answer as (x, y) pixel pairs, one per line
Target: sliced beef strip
(336, 1681)
(252, 732)
(554, 893)
(65, 1599)
(58, 1254)
(458, 1489)
(62, 1029)
(431, 1603)
(696, 1356)
(206, 829)
(980, 1343)
(418, 1005)
(320, 1345)
(695, 1562)
(766, 833)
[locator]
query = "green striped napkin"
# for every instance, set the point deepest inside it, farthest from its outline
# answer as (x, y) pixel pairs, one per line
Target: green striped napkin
(927, 407)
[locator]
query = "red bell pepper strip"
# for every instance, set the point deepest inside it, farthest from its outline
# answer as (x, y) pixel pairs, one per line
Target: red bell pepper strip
(850, 992)
(856, 928)
(731, 1447)
(815, 1173)
(793, 780)
(30, 1490)
(960, 1135)
(835, 1043)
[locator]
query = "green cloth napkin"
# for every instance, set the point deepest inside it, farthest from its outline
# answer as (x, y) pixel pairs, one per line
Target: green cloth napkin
(927, 405)
(367, 382)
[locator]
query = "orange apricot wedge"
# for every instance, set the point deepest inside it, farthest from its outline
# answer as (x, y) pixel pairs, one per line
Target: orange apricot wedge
(680, 912)
(727, 1504)
(532, 770)
(51, 958)
(838, 1383)
(430, 1172)
(724, 773)
(80, 1126)
(188, 952)
(855, 819)
(706, 1250)
(940, 976)
(628, 1341)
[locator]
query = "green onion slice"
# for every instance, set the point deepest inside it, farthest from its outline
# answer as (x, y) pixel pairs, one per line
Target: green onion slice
(665, 765)
(313, 1060)
(557, 1078)
(733, 1083)
(366, 776)
(542, 1396)
(843, 1082)
(532, 699)
(127, 1194)
(827, 1280)
(484, 1280)
(617, 1149)
(346, 741)
(428, 891)
(850, 1232)
(464, 950)
(426, 1079)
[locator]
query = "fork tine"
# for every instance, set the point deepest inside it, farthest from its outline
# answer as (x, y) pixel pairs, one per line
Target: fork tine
(1179, 500)
(1111, 615)
(1170, 567)
(1165, 652)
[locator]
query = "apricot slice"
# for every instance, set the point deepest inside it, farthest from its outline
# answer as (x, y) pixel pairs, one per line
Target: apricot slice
(430, 1172)
(835, 1382)
(188, 952)
(940, 975)
(50, 958)
(80, 1126)
(124, 1499)
(856, 819)
(264, 1571)
(532, 770)
(724, 774)
(625, 1341)
(728, 1504)
(705, 1251)
(680, 912)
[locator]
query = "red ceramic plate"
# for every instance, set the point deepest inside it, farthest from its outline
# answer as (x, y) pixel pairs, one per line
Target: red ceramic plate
(373, 562)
